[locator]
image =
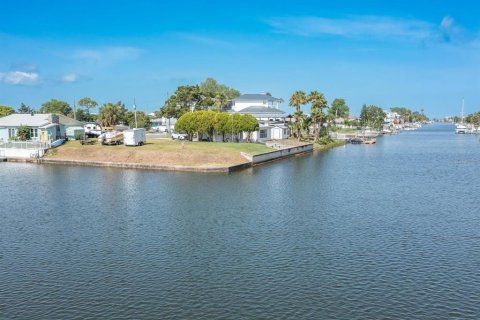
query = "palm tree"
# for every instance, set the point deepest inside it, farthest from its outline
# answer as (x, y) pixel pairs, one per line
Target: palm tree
(220, 101)
(111, 114)
(297, 100)
(306, 123)
(318, 102)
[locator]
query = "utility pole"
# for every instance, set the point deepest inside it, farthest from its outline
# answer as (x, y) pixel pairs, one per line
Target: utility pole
(135, 112)
(74, 110)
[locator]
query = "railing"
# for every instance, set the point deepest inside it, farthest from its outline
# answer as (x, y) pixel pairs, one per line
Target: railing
(25, 145)
(23, 149)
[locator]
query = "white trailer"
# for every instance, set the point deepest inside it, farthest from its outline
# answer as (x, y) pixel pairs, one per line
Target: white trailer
(134, 137)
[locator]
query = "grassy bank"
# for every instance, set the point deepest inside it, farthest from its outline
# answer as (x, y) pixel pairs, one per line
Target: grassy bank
(161, 152)
(333, 144)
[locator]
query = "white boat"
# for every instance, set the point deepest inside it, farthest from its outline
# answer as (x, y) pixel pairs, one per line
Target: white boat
(111, 138)
(461, 129)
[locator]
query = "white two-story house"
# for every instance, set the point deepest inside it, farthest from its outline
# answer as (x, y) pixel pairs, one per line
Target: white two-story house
(265, 108)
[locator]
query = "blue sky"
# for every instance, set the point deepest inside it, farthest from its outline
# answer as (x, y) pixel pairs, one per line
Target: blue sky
(417, 54)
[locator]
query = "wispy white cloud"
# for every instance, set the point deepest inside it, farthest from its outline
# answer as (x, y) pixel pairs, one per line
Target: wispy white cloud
(107, 55)
(201, 39)
(69, 78)
(371, 27)
(20, 78)
(358, 26)
(25, 66)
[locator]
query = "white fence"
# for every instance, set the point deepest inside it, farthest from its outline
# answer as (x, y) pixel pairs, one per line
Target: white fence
(23, 149)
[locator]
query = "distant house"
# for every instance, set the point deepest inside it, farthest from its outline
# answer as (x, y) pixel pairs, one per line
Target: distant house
(392, 118)
(43, 126)
(163, 124)
(265, 108)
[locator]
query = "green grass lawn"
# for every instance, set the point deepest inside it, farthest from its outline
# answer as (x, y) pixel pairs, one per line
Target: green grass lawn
(166, 145)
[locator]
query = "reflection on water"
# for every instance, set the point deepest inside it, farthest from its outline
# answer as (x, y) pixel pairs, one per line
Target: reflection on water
(359, 232)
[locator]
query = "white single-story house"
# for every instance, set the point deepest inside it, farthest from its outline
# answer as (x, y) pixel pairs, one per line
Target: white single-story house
(44, 127)
(271, 120)
(163, 124)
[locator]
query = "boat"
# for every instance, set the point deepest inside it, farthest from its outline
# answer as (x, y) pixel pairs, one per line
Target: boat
(460, 128)
(57, 143)
(370, 141)
(356, 140)
(111, 138)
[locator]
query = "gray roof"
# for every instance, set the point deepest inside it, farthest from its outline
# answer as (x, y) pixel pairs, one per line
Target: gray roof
(263, 112)
(255, 97)
(35, 120)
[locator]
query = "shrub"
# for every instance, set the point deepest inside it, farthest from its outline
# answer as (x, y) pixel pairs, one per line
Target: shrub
(23, 133)
(325, 140)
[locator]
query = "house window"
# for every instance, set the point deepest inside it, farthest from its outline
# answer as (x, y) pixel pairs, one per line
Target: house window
(284, 132)
(33, 133)
(263, 134)
(12, 133)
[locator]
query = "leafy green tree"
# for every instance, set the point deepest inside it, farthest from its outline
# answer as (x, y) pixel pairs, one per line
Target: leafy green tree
(249, 124)
(474, 119)
(5, 111)
(187, 124)
(297, 100)
(111, 114)
(236, 123)
(23, 133)
(221, 123)
(318, 103)
(171, 109)
(56, 106)
(372, 116)
(339, 109)
(185, 99)
(87, 104)
(210, 87)
(143, 120)
(205, 123)
(409, 115)
(82, 115)
(25, 109)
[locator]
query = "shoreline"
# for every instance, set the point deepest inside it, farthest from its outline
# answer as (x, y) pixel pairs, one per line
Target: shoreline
(251, 161)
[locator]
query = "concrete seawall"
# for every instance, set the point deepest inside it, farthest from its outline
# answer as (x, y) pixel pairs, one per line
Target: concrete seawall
(252, 160)
(218, 169)
(279, 154)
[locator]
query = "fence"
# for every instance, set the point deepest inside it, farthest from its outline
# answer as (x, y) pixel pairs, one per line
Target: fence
(23, 149)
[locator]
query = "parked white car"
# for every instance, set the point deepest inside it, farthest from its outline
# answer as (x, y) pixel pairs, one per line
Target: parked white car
(179, 136)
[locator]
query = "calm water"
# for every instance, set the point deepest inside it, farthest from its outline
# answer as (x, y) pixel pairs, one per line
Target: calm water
(390, 231)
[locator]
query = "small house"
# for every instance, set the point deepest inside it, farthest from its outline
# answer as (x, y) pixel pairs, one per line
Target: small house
(43, 126)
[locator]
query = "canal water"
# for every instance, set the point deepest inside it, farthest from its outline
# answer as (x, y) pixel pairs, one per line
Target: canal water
(385, 231)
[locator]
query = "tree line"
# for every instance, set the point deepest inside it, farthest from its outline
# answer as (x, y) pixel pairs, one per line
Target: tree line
(109, 114)
(207, 123)
(473, 118)
(207, 95)
(320, 113)
(409, 115)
